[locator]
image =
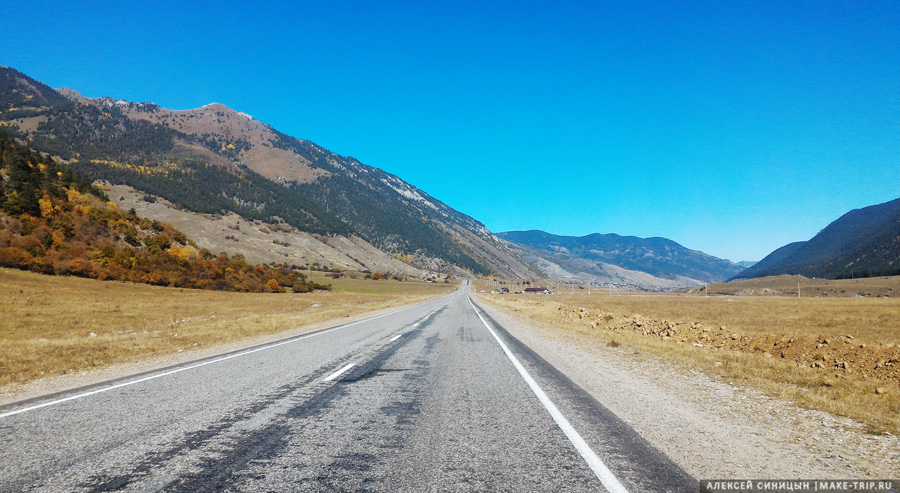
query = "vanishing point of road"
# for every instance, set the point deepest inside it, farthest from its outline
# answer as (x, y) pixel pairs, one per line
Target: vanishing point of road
(432, 397)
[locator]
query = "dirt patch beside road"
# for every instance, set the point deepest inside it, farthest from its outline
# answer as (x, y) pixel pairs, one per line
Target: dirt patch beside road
(841, 354)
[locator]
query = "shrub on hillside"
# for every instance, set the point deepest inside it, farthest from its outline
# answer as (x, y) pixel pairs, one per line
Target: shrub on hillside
(54, 222)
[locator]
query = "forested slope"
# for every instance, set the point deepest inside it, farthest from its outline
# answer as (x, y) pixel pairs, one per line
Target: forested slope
(53, 221)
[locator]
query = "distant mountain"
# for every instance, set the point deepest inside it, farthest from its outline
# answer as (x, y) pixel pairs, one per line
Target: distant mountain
(656, 263)
(775, 258)
(215, 160)
(861, 243)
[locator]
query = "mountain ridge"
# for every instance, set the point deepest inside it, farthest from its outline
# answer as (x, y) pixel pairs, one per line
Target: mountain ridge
(649, 263)
(215, 159)
(863, 242)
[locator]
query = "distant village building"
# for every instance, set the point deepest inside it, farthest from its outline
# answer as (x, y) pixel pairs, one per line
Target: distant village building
(538, 291)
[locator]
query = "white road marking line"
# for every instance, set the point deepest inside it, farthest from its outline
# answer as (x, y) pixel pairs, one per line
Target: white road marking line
(395, 337)
(337, 373)
(600, 470)
(217, 360)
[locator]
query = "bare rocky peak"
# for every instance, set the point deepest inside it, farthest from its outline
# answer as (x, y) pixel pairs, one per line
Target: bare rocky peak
(73, 95)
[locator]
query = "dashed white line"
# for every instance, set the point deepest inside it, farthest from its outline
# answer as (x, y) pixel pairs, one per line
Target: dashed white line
(338, 373)
(600, 470)
(395, 337)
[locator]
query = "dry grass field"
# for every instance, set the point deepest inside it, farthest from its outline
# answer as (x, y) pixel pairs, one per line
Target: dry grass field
(55, 325)
(837, 354)
(786, 285)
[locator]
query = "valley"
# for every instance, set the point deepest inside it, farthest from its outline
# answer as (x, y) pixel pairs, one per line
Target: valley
(360, 308)
(320, 207)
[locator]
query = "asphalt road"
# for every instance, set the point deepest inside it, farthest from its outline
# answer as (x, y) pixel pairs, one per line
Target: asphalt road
(435, 397)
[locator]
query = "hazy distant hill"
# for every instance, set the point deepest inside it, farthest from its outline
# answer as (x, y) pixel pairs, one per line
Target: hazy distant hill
(216, 160)
(861, 243)
(645, 262)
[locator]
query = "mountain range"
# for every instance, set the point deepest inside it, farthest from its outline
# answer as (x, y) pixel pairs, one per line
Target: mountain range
(657, 263)
(238, 185)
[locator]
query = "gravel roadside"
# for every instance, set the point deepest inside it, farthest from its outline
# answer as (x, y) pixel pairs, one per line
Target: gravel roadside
(710, 428)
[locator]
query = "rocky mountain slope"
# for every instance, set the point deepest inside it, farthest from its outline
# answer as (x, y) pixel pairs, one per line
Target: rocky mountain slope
(649, 263)
(215, 160)
(861, 243)
(265, 243)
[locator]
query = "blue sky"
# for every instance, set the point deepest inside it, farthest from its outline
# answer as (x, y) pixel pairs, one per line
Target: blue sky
(730, 127)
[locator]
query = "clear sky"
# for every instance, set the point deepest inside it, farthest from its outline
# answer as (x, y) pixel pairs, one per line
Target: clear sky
(730, 127)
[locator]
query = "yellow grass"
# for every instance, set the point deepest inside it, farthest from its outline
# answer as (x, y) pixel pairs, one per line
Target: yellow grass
(787, 285)
(802, 324)
(47, 322)
(867, 319)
